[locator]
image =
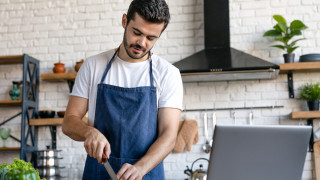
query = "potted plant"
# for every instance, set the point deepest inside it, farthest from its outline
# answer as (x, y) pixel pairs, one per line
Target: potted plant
(311, 93)
(283, 33)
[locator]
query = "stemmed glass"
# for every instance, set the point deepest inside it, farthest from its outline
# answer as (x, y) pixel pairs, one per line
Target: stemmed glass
(4, 133)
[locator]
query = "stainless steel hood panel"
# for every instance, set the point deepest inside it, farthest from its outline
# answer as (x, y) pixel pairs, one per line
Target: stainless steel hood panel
(218, 56)
(223, 64)
(230, 75)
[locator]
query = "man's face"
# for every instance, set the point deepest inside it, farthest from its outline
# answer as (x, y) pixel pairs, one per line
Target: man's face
(140, 36)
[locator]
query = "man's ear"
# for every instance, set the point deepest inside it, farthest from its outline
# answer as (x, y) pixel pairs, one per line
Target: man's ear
(124, 20)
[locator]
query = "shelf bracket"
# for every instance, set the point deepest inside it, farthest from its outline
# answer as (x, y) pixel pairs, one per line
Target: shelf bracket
(53, 130)
(70, 84)
(290, 84)
(310, 123)
(4, 122)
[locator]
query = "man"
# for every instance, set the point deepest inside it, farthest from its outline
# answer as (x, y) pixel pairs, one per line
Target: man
(133, 99)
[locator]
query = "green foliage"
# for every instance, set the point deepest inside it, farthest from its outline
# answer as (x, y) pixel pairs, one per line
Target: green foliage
(310, 92)
(19, 169)
(284, 33)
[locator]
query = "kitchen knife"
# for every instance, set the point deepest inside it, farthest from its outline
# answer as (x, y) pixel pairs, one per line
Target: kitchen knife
(110, 170)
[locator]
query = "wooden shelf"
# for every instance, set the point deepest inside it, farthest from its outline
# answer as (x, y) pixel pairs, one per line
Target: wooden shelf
(305, 115)
(46, 122)
(10, 103)
(9, 148)
(11, 59)
(300, 67)
(58, 76)
(50, 121)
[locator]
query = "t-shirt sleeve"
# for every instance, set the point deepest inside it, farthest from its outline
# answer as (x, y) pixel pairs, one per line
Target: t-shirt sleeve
(172, 90)
(82, 82)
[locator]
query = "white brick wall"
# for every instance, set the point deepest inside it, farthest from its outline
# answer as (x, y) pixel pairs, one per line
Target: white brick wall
(72, 30)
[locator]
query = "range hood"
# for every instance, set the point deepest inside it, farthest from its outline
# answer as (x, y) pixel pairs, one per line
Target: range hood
(218, 61)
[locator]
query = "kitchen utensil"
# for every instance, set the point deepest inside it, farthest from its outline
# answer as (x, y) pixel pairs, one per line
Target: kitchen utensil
(111, 173)
(5, 134)
(48, 161)
(49, 171)
(250, 118)
(233, 117)
(46, 114)
(61, 113)
(214, 122)
(198, 174)
(48, 153)
(310, 58)
(206, 147)
(316, 134)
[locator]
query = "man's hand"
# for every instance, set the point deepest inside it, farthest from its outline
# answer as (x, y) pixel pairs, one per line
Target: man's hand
(129, 172)
(95, 143)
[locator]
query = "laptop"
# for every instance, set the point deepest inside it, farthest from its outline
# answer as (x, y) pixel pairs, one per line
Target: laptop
(243, 152)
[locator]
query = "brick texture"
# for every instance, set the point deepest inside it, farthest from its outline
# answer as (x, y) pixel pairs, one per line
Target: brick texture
(73, 30)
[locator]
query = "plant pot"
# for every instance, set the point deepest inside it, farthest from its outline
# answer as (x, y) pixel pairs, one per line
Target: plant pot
(313, 105)
(288, 58)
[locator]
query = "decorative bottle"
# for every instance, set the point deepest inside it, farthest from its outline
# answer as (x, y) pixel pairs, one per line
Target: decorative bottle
(14, 92)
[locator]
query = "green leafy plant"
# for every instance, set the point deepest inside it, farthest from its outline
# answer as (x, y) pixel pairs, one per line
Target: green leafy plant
(283, 33)
(310, 92)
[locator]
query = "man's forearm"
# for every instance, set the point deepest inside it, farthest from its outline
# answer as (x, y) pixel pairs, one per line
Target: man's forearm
(75, 128)
(157, 152)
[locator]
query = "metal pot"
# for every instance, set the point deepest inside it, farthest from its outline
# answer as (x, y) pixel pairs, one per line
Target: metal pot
(48, 161)
(48, 153)
(198, 174)
(49, 171)
(57, 177)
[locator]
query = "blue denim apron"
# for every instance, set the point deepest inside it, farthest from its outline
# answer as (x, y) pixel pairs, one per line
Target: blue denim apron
(128, 119)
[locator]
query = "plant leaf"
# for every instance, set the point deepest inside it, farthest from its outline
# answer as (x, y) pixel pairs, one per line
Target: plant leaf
(279, 18)
(310, 92)
(297, 25)
(295, 33)
(286, 38)
(294, 42)
(276, 27)
(283, 27)
(290, 50)
(280, 38)
(279, 46)
(272, 33)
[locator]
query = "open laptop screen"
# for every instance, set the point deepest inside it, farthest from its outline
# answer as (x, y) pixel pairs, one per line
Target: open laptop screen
(242, 152)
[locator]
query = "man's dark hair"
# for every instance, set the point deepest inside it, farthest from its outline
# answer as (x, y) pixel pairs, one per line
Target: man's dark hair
(155, 11)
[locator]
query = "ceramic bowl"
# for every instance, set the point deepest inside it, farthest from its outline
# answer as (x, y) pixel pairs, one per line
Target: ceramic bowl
(61, 113)
(46, 114)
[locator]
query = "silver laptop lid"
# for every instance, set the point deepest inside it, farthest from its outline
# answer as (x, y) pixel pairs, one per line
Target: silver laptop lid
(244, 152)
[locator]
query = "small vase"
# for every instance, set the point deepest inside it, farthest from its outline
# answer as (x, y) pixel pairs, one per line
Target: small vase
(78, 65)
(4, 134)
(14, 92)
(288, 58)
(59, 68)
(313, 105)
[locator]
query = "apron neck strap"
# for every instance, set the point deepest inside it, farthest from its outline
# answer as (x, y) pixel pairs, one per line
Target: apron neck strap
(111, 60)
(151, 76)
(109, 65)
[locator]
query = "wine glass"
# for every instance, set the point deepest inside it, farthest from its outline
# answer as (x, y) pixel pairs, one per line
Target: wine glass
(4, 133)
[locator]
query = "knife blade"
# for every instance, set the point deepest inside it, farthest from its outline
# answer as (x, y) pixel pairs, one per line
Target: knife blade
(111, 173)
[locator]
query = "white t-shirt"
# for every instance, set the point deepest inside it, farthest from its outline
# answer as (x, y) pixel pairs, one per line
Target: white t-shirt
(166, 79)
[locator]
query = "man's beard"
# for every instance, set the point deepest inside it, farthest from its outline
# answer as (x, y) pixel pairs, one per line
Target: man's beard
(136, 46)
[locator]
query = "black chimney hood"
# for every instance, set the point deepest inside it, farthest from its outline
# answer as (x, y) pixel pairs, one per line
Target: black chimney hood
(218, 61)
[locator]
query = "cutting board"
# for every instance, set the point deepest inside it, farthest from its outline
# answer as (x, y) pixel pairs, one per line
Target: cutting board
(316, 154)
